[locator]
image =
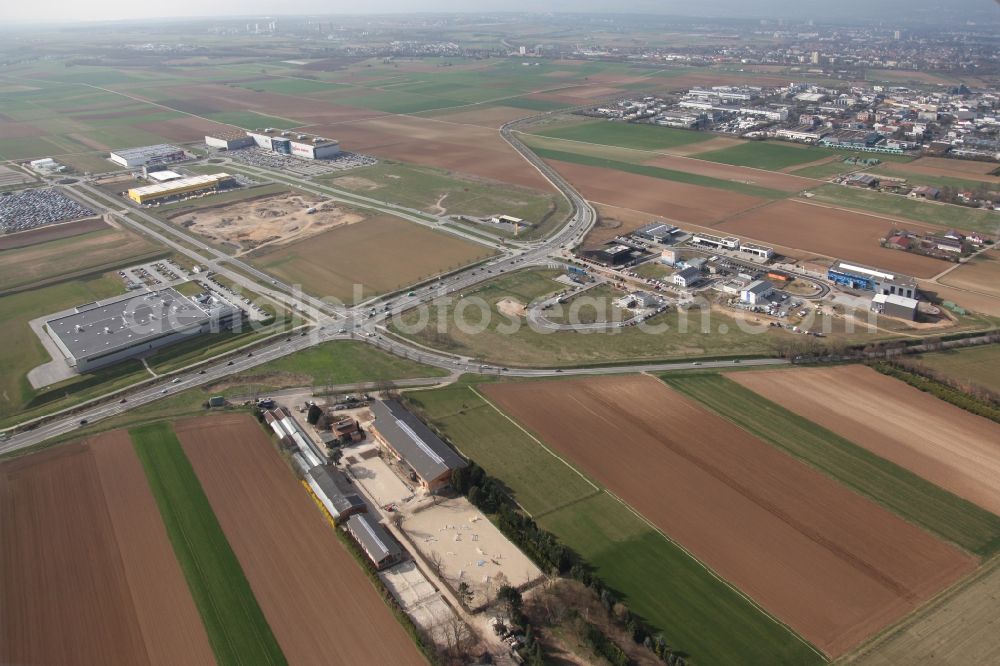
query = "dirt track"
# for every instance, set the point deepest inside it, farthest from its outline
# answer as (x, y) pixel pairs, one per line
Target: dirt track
(940, 442)
(318, 602)
(675, 201)
(88, 575)
(831, 564)
(832, 232)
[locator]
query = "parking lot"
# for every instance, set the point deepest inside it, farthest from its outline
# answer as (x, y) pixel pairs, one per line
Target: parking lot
(270, 160)
(20, 211)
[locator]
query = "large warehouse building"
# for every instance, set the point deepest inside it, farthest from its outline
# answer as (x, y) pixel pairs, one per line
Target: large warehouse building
(178, 187)
(101, 333)
(410, 441)
(229, 140)
(148, 155)
(309, 146)
(867, 278)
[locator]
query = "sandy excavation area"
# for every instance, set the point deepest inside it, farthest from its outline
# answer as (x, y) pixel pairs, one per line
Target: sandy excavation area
(274, 220)
(80, 536)
(317, 600)
(944, 444)
(828, 562)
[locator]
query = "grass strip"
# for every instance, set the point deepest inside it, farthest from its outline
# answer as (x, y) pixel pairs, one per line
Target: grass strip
(661, 173)
(234, 622)
(899, 490)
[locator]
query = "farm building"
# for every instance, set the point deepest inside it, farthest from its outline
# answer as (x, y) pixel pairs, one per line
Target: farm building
(334, 491)
(756, 292)
(893, 305)
(229, 140)
(292, 435)
(377, 543)
(411, 442)
(101, 333)
(175, 188)
(295, 143)
(687, 276)
(148, 155)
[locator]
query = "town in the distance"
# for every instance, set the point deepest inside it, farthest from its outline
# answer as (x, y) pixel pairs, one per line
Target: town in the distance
(501, 338)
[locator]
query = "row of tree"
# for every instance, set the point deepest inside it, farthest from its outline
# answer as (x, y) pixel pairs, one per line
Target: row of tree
(492, 497)
(973, 402)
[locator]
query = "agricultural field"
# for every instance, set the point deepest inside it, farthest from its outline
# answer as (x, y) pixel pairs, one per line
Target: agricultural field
(657, 168)
(481, 432)
(703, 616)
(88, 502)
(779, 156)
(681, 202)
(975, 365)
(894, 487)
(982, 274)
(918, 210)
(931, 438)
(233, 458)
(957, 628)
(62, 258)
(626, 135)
(508, 339)
(442, 193)
(237, 630)
(358, 261)
(832, 565)
(948, 168)
(832, 232)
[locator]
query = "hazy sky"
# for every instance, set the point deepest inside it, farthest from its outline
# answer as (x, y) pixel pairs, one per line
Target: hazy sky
(74, 10)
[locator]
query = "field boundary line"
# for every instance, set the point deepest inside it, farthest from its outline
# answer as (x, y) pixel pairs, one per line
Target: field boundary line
(716, 576)
(536, 440)
(566, 505)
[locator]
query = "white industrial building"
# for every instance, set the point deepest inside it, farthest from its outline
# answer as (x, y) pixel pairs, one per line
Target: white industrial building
(718, 242)
(686, 277)
(148, 155)
(308, 146)
(761, 251)
(756, 292)
(101, 333)
(228, 140)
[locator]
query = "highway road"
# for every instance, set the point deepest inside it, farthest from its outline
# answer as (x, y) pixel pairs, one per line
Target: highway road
(362, 322)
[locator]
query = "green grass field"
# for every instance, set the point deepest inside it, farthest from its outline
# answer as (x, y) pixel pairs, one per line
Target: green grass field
(236, 627)
(764, 155)
(337, 362)
(976, 365)
(659, 172)
(899, 490)
(944, 215)
(539, 481)
(627, 135)
(696, 612)
(253, 120)
(425, 188)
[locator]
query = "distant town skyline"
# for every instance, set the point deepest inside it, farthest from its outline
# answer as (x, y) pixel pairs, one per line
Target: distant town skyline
(109, 10)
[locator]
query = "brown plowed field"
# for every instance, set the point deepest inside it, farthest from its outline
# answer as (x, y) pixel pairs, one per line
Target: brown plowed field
(665, 198)
(942, 166)
(829, 563)
(832, 232)
(51, 232)
(970, 300)
(982, 274)
(772, 179)
(464, 149)
(87, 574)
(168, 617)
(944, 444)
(318, 602)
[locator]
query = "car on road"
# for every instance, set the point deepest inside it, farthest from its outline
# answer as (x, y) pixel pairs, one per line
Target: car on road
(175, 380)
(83, 421)
(230, 363)
(201, 372)
(123, 401)
(163, 391)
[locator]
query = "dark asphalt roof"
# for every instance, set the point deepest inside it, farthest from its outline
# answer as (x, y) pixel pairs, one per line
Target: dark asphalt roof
(336, 488)
(422, 449)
